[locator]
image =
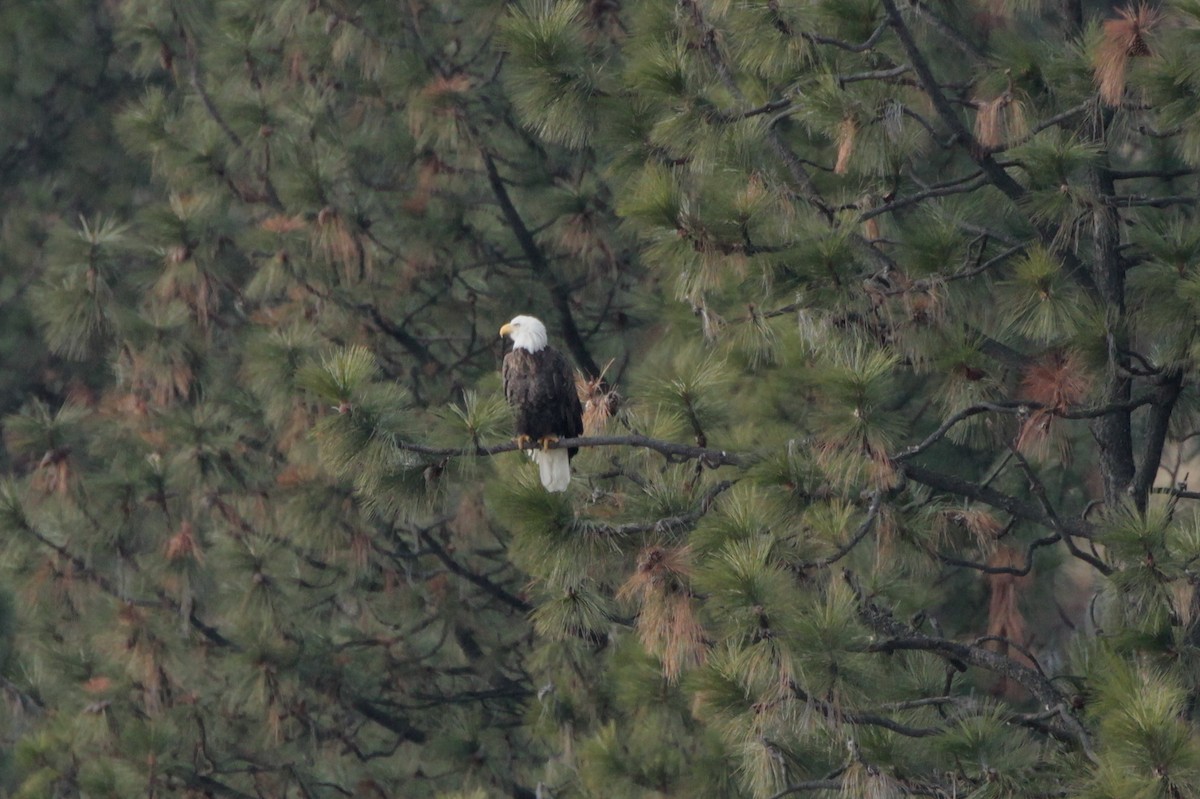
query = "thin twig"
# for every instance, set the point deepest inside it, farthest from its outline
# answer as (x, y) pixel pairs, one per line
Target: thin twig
(859, 534)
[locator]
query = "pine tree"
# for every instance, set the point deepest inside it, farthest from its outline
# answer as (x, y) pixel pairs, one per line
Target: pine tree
(940, 339)
(222, 577)
(885, 489)
(59, 90)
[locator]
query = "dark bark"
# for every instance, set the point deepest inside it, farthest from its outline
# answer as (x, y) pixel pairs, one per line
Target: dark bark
(1113, 433)
(560, 295)
(1026, 511)
(1157, 427)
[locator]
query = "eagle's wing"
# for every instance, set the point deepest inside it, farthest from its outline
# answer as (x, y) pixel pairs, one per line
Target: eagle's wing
(519, 379)
(506, 372)
(572, 409)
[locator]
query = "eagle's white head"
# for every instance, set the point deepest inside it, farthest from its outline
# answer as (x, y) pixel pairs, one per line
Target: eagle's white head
(526, 332)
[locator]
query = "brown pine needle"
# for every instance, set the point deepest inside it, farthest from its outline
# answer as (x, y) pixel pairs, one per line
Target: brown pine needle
(1123, 38)
(600, 401)
(667, 623)
(1056, 382)
(1004, 614)
(846, 133)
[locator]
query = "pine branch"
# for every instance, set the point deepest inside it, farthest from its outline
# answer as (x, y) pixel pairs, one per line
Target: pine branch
(870, 42)
(1024, 650)
(713, 458)
(989, 496)
(837, 715)
(511, 691)
(1154, 133)
(901, 637)
(675, 453)
(954, 37)
(206, 100)
(399, 333)
(212, 787)
(1160, 174)
(1046, 123)
(995, 173)
(164, 602)
(22, 697)
(997, 350)
(878, 74)
(988, 264)
(1020, 408)
(765, 108)
(974, 183)
(401, 726)
(708, 44)
(197, 82)
(1179, 493)
(1038, 488)
(478, 580)
(1135, 200)
(560, 295)
(950, 560)
(670, 522)
(809, 785)
(863, 528)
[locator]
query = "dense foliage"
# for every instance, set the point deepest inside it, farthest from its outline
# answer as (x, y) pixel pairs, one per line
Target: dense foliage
(884, 312)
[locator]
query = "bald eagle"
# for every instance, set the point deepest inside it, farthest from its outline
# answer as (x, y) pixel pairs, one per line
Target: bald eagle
(540, 386)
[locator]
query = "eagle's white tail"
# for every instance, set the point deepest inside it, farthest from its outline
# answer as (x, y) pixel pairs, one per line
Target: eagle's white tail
(554, 466)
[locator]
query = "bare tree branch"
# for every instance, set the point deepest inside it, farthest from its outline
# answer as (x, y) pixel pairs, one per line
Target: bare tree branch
(989, 496)
(976, 182)
(676, 453)
(950, 560)
(950, 118)
(870, 42)
(901, 637)
(1020, 408)
(1039, 490)
(560, 295)
(475, 579)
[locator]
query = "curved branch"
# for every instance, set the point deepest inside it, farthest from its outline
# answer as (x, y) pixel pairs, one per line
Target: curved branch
(950, 560)
(1039, 490)
(975, 182)
(670, 522)
(835, 713)
(398, 332)
(901, 637)
(859, 535)
(478, 580)
(871, 41)
(1021, 408)
(1039, 686)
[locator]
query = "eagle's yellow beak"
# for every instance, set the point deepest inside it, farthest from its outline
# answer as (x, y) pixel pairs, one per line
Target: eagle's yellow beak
(504, 331)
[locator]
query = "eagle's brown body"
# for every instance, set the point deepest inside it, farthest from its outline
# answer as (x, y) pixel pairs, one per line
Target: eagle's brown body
(540, 387)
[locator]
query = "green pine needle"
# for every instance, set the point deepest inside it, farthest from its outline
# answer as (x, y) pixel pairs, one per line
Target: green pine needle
(341, 375)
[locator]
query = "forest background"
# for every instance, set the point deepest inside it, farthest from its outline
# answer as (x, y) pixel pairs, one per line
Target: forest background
(885, 317)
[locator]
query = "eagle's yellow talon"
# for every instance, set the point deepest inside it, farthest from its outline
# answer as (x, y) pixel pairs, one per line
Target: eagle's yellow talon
(546, 441)
(523, 441)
